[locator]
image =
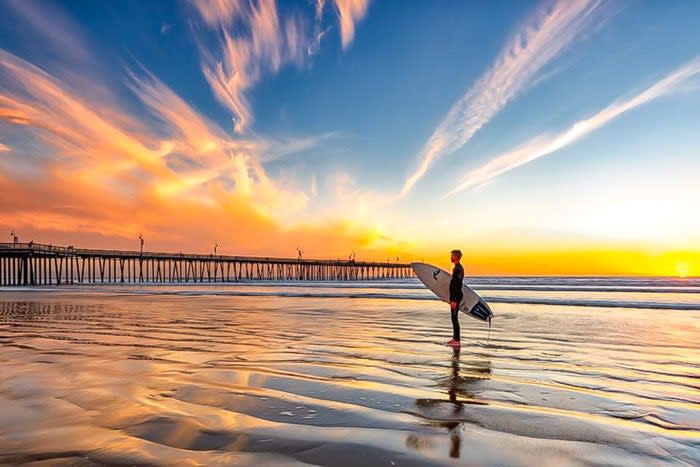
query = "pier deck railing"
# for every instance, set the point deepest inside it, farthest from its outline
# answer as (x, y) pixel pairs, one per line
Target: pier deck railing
(25, 264)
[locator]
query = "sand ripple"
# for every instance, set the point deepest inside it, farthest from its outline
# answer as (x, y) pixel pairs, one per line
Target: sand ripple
(92, 377)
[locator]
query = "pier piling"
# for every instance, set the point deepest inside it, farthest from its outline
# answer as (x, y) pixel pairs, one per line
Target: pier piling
(33, 264)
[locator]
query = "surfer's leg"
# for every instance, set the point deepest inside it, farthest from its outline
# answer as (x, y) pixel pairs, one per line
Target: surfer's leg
(454, 312)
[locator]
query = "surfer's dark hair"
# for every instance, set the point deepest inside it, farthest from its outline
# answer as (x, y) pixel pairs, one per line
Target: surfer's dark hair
(457, 253)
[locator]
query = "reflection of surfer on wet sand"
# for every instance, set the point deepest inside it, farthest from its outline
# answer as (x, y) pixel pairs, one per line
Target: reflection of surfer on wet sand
(455, 438)
(450, 413)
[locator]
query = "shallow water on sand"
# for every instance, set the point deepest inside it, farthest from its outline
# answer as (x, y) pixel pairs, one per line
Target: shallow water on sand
(348, 374)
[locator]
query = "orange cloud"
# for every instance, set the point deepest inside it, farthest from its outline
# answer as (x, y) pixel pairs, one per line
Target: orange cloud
(109, 177)
(14, 111)
(59, 210)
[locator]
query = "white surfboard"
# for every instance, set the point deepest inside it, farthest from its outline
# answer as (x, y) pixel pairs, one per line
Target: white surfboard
(438, 281)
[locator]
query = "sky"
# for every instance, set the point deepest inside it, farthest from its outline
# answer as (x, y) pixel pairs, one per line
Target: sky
(551, 137)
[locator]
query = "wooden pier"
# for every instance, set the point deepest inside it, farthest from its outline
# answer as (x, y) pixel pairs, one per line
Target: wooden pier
(28, 264)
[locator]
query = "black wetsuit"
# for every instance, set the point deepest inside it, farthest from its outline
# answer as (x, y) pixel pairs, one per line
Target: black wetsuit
(456, 296)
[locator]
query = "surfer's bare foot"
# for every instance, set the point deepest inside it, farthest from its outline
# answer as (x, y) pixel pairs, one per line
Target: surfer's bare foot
(454, 343)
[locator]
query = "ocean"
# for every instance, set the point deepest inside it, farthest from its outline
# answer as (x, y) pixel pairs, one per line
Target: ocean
(572, 371)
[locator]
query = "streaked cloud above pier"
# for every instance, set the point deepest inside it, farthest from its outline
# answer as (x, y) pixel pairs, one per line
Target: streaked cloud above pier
(340, 125)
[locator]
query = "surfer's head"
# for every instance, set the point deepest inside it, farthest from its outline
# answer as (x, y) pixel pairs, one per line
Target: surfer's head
(455, 256)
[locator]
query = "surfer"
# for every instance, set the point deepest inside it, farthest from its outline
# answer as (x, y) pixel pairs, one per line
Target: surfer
(456, 296)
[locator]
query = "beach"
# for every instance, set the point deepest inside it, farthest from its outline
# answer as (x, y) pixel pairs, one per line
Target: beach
(573, 371)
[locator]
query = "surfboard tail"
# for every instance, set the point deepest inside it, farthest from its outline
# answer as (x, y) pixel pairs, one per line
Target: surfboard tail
(482, 311)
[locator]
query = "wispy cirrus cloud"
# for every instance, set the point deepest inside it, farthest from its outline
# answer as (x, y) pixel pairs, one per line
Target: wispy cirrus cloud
(349, 13)
(553, 28)
(219, 12)
(272, 149)
(545, 145)
(55, 27)
(315, 44)
(255, 39)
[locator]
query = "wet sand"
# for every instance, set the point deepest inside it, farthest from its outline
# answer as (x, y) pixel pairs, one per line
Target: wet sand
(197, 376)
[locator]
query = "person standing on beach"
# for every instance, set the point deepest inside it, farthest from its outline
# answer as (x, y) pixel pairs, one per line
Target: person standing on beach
(456, 296)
